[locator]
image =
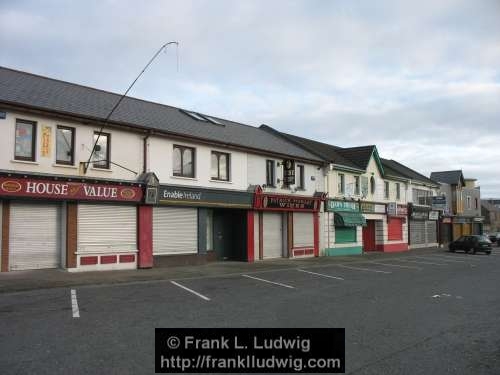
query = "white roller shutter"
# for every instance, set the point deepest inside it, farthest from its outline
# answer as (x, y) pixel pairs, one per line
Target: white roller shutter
(272, 235)
(417, 232)
(303, 229)
(34, 236)
(109, 228)
(175, 230)
(431, 231)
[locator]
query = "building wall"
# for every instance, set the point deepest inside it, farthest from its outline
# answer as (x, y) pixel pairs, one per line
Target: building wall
(126, 149)
(474, 195)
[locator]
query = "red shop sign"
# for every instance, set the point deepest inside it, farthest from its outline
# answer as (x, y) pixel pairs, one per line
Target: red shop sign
(20, 187)
(286, 203)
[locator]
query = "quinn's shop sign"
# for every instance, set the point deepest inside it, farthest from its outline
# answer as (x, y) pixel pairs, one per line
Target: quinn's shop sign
(31, 188)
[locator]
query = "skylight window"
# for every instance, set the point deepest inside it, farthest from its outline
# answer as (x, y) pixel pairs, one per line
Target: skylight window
(211, 119)
(195, 115)
(200, 117)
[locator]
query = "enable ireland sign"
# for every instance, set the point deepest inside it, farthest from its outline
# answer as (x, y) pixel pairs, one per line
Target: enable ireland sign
(191, 196)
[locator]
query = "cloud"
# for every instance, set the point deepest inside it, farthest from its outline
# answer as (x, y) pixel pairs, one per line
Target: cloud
(419, 79)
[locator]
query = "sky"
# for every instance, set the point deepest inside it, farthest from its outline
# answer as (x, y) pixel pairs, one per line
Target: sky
(419, 79)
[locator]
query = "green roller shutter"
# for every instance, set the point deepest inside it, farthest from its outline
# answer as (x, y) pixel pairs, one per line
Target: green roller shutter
(345, 234)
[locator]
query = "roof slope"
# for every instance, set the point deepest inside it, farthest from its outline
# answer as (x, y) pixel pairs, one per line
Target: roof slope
(406, 172)
(25, 89)
(448, 177)
(359, 155)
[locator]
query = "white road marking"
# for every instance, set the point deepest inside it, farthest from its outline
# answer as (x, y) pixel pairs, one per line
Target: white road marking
(361, 269)
(421, 262)
(457, 256)
(268, 281)
(191, 291)
(320, 274)
(442, 260)
(397, 265)
(74, 304)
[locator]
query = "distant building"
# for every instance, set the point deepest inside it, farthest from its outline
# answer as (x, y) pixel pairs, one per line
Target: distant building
(491, 213)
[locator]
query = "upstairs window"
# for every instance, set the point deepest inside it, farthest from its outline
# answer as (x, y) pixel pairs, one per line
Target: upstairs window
(300, 177)
(372, 185)
(183, 161)
(270, 172)
(398, 191)
(101, 156)
(65, 145)
(25, 147)
(356, 185)
(386, 189)
(341, 185)
(220, 166)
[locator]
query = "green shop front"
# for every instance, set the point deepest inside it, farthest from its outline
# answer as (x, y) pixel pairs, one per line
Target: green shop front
(343, 228)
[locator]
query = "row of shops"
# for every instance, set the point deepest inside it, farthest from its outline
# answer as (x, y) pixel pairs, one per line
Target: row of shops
(93, 225)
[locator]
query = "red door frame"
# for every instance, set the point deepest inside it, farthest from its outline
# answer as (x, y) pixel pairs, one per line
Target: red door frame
(369, 236)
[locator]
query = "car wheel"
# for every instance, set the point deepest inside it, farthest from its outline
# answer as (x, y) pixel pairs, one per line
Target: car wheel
(473, 251)
(488, 252)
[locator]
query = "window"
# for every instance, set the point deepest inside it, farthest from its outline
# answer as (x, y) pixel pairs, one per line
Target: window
(341, 186)
(184, 161)
(345, 234)
(468, 202)
(210, 230)
(270, 171)
(101, 153)
(476, 203)
(220, 166)
(386, 189)
(398, 191)
(372, 184)
(356, 185)
(300, 177)
(25, 147)
(65, 145)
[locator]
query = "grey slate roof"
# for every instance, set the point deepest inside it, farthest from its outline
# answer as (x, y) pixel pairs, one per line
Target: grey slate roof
(392, 166)
(29, 90)
(448, 177)
(359, 155)
(329, 153)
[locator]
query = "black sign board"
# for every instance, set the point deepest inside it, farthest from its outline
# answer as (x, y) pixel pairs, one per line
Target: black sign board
(288, 172)
(187, 196)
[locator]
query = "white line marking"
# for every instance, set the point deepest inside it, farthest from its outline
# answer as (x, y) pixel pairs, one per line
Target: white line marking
(269, 281)
(190, 290)
(422, 262)
(442, 260)
(320, 274)
(457, 256)
(361, 269)
(74, 304)
(397, 265)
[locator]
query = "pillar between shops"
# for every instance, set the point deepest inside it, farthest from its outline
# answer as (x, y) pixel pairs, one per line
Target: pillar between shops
(145, 234)
(250, 236)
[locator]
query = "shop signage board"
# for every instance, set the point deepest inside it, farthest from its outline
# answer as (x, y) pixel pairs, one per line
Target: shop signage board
(439, 202)
(286, 203)
(373, 208)
(461, 220)
(168, 194)
(288, 172)
(65, 190)
(433, 215)
(420, 215)
(333, 205)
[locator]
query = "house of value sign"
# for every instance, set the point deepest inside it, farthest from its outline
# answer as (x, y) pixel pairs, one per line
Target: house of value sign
(33, 188)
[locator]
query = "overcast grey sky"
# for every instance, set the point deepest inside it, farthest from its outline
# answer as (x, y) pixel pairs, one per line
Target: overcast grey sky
(420, 79)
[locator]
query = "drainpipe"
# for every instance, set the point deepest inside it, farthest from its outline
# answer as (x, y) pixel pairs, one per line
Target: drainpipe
(145, 150)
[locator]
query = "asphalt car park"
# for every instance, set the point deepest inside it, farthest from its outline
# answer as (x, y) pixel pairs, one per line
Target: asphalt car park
(408, 313)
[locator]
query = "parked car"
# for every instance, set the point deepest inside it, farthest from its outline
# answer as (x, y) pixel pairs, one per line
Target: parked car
(472, 244)
(494, 238)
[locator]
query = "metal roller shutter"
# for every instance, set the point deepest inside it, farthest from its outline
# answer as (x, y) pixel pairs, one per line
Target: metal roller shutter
(175, 230)
(417, 232)
(345, 234)
(34, 236)
(431, 231)
(466, 229)
(106, 228)
(457, 231)
(272, 235)
(476, 228)
(394, 229)
(303, 229)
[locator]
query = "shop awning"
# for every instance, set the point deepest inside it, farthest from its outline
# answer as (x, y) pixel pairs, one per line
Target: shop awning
(349, 219)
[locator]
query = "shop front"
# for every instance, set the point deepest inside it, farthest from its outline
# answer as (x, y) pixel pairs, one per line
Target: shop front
(286, 226)
(445, 230)
(463, 226)
(343, 228)
(422, 231)
(373, 233)
(56, 222)
(194, 225)
(395, 237)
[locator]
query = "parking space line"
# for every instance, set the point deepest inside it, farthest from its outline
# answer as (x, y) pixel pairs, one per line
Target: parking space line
(457, 256)
(320, 274)
(269, 281)
(443, 260)
(74, 304)
(422, 262)
(361, 269)
(190, 290)
(397, 265)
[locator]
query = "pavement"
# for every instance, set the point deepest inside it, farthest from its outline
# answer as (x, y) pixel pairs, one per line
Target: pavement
(424, 311)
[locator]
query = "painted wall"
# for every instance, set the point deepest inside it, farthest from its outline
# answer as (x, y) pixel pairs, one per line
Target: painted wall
(126, 149)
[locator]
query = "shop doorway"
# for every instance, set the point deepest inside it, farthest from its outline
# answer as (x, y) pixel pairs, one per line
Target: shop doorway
(230, 234)
(369, 236)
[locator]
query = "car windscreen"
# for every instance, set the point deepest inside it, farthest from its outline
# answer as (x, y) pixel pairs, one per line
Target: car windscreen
(483, 239)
